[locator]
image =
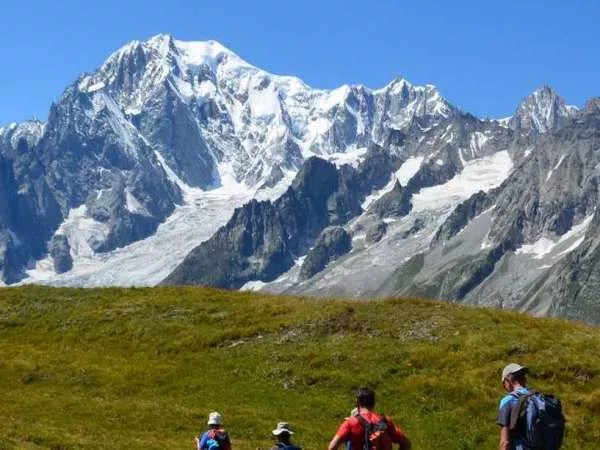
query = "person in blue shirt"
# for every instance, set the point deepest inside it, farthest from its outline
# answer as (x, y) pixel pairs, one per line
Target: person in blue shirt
(514, 381)
(216, 438)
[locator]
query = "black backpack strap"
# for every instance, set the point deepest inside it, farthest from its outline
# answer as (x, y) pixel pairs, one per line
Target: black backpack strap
(367, 429)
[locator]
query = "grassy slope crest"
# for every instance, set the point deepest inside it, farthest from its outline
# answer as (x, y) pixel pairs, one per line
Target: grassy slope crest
(141, 368)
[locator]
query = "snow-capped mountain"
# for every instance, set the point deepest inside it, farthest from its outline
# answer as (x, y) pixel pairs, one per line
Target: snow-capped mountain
(164, 125)
(180, 161)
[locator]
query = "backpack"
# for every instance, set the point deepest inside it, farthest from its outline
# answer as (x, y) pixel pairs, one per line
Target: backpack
(218, 440)
(283, 446)
(375, 433)
(538, 420)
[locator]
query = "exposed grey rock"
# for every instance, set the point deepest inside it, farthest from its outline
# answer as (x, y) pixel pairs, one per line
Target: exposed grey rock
(60, 251)
(330, 245)
(395, 203)
(542, 111)
(262, 239)
(462, 215)
(375, 233)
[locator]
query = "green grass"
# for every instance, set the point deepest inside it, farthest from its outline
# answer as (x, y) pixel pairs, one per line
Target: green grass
(142, 368)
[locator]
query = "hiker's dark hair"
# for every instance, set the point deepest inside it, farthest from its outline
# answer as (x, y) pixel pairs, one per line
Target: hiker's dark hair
(365, 397)
(520, 377)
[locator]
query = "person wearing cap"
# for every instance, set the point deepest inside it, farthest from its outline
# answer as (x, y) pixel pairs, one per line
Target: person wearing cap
(514, 382)
(284, 434)
(353, 428)
(215, 438)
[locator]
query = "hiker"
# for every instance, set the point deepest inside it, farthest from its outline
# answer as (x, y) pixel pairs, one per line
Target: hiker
(215, 438)
(368, 429)
(284, 433)
(528, 420)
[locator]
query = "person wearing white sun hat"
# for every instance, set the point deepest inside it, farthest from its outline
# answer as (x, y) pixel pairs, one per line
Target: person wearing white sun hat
(284, 433)
(215, 438)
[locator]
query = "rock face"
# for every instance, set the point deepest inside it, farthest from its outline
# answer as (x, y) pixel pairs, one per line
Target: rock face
(542, 111)
(60, 250)
(395, 203)
(331, 244)
(375, 233)
(262, 239)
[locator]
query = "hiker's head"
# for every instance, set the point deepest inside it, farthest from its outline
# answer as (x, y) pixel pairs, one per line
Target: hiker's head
(365, 398)
(283, 432)
(215, 420)
(514, 376)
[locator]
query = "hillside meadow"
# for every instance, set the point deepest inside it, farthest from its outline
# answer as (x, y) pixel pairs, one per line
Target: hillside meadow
(142, 368)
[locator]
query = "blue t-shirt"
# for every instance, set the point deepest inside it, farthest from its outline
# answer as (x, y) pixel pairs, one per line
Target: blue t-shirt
(203, 441)
(504, 412)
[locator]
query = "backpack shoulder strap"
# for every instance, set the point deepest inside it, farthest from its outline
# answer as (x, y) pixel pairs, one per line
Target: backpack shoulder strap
(367, 428)
(517, 410)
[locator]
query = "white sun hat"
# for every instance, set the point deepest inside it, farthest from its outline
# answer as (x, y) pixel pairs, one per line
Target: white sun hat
(214, 418)
(513, 368)
(282, 427)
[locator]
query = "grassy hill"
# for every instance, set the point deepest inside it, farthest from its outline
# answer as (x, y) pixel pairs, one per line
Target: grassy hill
(141, 368)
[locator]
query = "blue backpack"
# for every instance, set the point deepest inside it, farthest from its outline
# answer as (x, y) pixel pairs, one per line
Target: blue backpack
(538, 420)
(218, 440)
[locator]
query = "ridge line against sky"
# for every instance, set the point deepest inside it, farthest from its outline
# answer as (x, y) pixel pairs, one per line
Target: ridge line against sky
(484, 58)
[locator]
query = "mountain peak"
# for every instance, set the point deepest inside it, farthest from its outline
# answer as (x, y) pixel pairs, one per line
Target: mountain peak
(541, 111)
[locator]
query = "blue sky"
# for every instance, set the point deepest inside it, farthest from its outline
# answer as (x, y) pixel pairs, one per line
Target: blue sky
(484, 56)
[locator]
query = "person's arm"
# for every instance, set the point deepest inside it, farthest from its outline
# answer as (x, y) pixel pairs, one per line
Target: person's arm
(203, 441)
(335, 443)
(504, 414)
(504, 439)
(398, 435)
(342, 435)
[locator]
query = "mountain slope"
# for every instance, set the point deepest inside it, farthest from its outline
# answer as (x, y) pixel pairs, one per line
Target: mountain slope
(142, 368)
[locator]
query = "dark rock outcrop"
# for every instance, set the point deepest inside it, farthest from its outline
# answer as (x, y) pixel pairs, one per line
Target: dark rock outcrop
(395, 203)
(262, 239)
(60, 251)
(375, 233)
(331, 244)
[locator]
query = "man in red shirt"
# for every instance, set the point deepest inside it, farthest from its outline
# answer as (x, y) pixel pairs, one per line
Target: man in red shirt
(380, 430)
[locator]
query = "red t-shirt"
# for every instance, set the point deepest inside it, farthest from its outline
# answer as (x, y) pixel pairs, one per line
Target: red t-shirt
(352, 430)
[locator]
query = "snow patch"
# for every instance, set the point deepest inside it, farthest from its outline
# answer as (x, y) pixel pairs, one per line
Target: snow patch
(351, 157)
(82, 232)
(556, 166)
(477, 142)
(409, 169)
(253, 286)
(133, 205)
(480, 174)
(565, 244)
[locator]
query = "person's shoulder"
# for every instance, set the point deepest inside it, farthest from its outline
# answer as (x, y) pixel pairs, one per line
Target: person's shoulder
(506, 400)
(353, 420)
